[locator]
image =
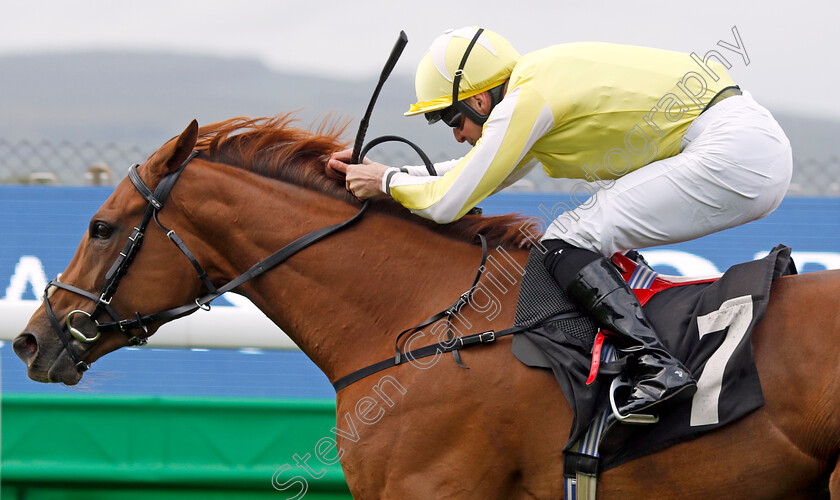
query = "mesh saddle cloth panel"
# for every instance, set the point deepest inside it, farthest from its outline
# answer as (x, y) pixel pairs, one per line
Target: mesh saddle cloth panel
(539, 298)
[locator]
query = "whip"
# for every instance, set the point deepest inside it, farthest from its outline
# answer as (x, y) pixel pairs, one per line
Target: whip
(386, 71)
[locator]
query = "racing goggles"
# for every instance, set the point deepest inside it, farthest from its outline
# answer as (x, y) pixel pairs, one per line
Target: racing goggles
(451, 116)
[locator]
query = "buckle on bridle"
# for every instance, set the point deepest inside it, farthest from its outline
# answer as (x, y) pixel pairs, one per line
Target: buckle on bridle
(134, 339)
(126, 324)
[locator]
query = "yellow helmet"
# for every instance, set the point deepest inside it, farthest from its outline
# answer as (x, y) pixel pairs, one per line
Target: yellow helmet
(476, 60)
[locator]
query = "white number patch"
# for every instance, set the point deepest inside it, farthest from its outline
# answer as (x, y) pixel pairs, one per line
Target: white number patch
(737, 314)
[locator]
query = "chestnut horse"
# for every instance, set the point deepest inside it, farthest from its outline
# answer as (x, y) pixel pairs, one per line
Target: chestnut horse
(494, 431)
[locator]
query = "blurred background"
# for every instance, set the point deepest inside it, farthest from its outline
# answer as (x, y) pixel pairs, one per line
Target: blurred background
(217, 407)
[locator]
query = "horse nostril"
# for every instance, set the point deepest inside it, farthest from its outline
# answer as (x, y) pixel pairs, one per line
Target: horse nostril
(25, 346)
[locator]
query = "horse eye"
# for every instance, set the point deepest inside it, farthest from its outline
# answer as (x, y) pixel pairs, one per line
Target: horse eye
(100, 230)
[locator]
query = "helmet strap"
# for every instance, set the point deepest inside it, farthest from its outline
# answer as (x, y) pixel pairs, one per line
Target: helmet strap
(496, 93)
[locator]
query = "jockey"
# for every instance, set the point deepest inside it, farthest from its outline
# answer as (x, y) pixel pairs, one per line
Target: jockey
(676, 148)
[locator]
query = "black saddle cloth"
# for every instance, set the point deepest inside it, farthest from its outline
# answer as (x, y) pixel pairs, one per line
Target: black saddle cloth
(707, 326)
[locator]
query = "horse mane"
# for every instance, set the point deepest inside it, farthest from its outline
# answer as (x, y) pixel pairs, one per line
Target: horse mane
(274, 148)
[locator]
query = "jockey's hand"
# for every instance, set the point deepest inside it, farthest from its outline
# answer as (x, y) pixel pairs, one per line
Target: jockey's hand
(364, 181)
(344, 157)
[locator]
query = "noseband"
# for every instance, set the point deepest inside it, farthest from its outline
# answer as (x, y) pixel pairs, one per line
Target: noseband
(102, 300)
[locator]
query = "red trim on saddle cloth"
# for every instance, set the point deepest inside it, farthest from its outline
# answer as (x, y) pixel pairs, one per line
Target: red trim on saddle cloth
(596, 357)
(659, 283)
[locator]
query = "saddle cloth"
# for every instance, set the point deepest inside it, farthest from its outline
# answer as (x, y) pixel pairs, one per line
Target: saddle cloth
(706, 324)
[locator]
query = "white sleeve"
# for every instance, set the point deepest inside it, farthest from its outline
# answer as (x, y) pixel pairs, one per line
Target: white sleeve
(421, 170)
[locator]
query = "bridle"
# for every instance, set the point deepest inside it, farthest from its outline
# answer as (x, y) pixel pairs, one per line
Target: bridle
(102, 300)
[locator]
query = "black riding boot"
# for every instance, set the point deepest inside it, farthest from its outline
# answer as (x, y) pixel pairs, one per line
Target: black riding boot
(599, 288)
(658, 376)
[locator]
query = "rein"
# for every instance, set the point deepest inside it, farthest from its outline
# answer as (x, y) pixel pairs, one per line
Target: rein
(102, 301)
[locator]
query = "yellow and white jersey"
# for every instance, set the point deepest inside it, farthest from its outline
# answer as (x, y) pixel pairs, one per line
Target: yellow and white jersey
(583, 110)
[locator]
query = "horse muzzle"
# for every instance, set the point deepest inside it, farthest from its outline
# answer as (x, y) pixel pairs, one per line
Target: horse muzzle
(44, 362)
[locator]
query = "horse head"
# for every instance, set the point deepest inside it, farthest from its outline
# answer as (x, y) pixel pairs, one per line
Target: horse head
(76, 300)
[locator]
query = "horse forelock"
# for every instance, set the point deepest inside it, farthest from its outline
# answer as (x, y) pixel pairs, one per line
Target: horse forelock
(276, 148)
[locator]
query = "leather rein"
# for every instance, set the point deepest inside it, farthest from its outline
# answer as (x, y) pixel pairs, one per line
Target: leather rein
(128, 326)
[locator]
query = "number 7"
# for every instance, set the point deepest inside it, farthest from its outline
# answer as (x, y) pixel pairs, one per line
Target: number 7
(737, 314)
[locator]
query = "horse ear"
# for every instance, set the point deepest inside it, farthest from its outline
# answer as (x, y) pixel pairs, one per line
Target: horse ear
(175, 152)
(183, 146)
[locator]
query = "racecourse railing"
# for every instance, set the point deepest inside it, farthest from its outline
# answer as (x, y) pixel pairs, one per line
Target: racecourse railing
(68, 164)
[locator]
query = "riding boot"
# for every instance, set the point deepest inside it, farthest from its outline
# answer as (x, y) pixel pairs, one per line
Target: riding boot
(657, 376)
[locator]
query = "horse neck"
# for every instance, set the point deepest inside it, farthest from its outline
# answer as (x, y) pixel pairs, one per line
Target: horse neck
(344, 299)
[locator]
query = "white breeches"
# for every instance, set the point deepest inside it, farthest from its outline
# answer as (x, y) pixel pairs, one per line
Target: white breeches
(734, 167)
